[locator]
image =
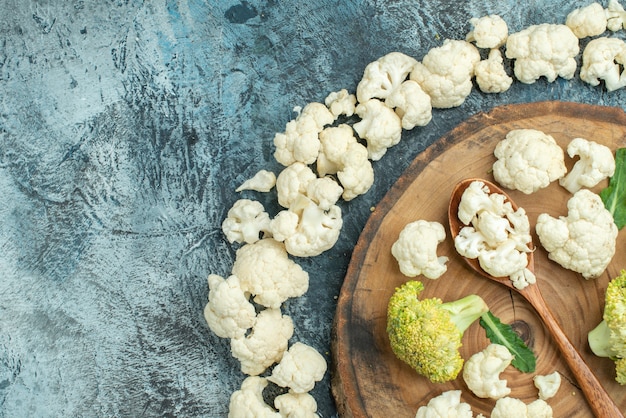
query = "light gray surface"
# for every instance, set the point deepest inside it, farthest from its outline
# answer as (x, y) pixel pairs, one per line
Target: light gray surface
(125, 127)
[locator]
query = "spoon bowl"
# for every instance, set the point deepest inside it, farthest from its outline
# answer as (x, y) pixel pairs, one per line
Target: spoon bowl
(597, 397)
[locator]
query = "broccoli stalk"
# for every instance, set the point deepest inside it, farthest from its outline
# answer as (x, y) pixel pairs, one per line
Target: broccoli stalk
(608, 338)
(426, 334)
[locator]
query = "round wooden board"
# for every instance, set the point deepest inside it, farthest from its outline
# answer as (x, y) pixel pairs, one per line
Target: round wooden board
(367, 379)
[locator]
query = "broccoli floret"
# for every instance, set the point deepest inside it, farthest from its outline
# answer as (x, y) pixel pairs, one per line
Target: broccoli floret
(426, 334)
(608, 338)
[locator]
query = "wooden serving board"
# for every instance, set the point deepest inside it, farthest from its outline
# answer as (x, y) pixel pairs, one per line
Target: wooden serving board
(367, 379)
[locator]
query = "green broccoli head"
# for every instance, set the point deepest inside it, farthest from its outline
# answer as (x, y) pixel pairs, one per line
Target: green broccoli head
(608, 338)
(426, 334)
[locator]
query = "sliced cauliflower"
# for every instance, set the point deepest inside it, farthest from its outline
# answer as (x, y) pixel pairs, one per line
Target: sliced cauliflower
(247, 402)
(446, 405)
(300, 140)
(604, 59)
(508, 407)
(296, 405)
(341, 103)
(379, 126)
(488, 32)
(528, 160)
(547, 50)
(615, 16)
(382, 77)
(262, 181)
(548, 385)
(246, 221)
(584, 240)
(416, 249)
(300, 367)
(228, 312)
(266, 271)
(446, 73)
(590, 20)
(481, 372)
(596, 163)
(343, 155)
(491, 75)
(265, 344)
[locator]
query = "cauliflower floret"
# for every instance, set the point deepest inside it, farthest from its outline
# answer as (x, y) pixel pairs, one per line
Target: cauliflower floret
(296, 405)
(383, 76)
(266, 271)
(448, 404)
(324, 191)
(482, 371)
(547, 50)
(416, 249)
(491, 75)
(582, 241)
(266, 343)
(548, 385)
(528, 160)
(604, 59)
(228, 312)
(293, 182)
(343, 155)
(262, 181)
(341, 103)
(246, 222)
(596, 163)
(615, 16)
(248, 402)
(412, 104)
(515, 408)
(446, 72)
(300, 367)
(587, 21)
(300, 140)
(379, 126)
(488, 32)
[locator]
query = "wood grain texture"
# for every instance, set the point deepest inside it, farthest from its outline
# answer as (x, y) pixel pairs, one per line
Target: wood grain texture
(367, 378)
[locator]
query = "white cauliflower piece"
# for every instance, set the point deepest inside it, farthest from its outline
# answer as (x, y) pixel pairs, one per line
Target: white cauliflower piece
(296, 405)
(292, 182)
(248, 402)
(383, 76)
(446, 405)
(324, 191)
(491, 75)
(548, 385)
(615, 16)
(311, 231)
(262, 181)
(477, 198)
(265, 344)
(446, 73)
(547, 50)
(508, 407)
(596, 163)
(341, 103)
(604, 59)
(590, 20)
(343, 155)
(300, 140)
(300, 367)
(412, 104)
(246, 221)
(584, 240)
(481, 372)
(528, 160)
(416, 249)
(489, 32)
(379, 126)
(266, 271)
(228, 312)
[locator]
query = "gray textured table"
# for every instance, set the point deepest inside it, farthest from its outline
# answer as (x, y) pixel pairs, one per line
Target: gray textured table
(125, 127)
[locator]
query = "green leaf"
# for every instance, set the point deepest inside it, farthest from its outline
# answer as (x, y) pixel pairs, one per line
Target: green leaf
(614, 196)
(503, 334)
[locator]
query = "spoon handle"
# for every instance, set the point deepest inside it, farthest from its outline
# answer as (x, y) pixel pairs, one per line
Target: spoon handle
(597, 397)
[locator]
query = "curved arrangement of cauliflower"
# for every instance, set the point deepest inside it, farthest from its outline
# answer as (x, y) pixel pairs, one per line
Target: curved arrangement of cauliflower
(528, 160)
(416, 249)
(584, 240)
(481, 372)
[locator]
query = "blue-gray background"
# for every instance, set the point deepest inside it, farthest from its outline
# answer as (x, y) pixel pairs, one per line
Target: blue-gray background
(125, 127)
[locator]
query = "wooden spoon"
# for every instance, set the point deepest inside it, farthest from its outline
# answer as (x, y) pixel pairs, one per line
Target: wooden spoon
(597, 397)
